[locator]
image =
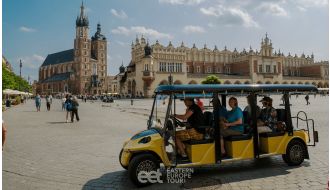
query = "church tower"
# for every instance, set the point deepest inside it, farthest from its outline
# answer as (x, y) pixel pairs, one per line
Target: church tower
(82, 46)
(99, 54)
(266, 47)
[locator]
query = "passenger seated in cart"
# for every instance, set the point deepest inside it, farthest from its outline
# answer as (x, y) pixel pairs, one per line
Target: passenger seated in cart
(248, 109)
(195, 118)
(268, 116)
(233, 124)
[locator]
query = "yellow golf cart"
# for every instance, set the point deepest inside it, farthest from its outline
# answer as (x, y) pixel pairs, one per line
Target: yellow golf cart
(146, 150)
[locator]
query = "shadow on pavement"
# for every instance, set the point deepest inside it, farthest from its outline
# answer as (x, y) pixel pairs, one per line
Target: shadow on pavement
(203, 177)
(57, 122)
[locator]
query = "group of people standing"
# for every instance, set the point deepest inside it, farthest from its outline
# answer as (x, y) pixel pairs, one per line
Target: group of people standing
(69, 104)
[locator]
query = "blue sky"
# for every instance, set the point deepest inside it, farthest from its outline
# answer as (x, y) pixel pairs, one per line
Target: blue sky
(32, 29)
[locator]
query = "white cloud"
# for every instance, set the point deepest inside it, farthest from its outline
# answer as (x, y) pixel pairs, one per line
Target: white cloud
(32, 62)
(273, 9)
(182, 2)
(121, 30)
(119, 14)
(230, 16)
(27, 29)
(193, 29)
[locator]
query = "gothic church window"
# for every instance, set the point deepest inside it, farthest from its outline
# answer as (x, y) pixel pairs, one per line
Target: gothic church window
(94, 69)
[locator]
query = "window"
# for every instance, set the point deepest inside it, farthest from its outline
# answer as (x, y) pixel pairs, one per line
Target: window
(188, 68)
(146, 67)
(85, 73)
(85, 66)
(198, 69)
(85, 46)
(267, 68)
(274, 67)
(94, 69)
(260, 69)
(85, 53)
(218, 69)
(227, 70)
(85, 59)
(209, 70)
(81, 33)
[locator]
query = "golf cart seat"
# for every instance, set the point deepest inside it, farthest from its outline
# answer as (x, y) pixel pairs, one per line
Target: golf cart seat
(203, 141)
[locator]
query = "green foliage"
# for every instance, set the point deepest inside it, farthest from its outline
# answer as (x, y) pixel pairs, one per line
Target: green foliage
(211, 79)
(12, 81)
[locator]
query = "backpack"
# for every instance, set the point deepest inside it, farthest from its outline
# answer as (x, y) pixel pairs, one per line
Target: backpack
(69, 105)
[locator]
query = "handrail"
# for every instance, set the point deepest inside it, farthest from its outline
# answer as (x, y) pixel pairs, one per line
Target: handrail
(315, 133)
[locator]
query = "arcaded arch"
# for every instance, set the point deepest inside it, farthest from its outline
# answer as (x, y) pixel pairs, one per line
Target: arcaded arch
(293, 83)
(163, 82)
(247, 82)
(307, 83)
(177, 82)
(259, 82)
(192, 82)
(320, 85)
(237, 82)
(300, 82)
(285, 82)
(268, 82)
(314, 83)
(227, 82)
(276, 82)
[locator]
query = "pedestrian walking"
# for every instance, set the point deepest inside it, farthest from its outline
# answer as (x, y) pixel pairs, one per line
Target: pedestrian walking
(63, 103)
(49, 101)
(74, 111)
(85, 98)
(307, 99)
(68, 106)
(38, 102)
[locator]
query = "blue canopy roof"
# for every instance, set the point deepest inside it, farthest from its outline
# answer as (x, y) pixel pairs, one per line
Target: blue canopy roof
(236, 88)
(59, 57)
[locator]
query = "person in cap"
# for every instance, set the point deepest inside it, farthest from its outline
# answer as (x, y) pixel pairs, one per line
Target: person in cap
(268, 115)
(195, 118)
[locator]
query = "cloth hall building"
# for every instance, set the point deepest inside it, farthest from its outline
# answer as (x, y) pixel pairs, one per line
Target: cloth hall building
(151, 65)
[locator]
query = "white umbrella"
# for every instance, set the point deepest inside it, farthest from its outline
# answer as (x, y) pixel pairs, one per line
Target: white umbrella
(10, 92)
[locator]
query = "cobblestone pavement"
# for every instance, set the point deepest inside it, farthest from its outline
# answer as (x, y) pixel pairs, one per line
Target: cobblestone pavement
(44, 152)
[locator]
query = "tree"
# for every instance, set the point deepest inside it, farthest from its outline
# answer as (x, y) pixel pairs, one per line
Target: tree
(211, 79)
(12, 81)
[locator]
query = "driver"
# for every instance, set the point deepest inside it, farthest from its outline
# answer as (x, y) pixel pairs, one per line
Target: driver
(194, 117)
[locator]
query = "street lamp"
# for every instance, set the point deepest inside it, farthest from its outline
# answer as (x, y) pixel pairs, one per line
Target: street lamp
(20, 74)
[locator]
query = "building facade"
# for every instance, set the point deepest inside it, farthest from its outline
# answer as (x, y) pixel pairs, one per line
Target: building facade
(81, 70)
(150, 66)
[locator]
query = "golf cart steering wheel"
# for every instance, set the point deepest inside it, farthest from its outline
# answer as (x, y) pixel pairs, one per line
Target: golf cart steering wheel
(177, 122)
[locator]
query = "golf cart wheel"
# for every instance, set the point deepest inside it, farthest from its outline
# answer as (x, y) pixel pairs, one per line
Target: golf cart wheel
(295, 153)
(139, 163)
(120, 154)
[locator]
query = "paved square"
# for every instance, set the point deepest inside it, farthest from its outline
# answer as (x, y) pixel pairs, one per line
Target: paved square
(44, 152)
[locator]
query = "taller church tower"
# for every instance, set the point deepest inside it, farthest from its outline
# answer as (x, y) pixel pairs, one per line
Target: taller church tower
(82, 52)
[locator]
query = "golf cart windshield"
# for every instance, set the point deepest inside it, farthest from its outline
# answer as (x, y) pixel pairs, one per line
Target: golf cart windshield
(159, 110)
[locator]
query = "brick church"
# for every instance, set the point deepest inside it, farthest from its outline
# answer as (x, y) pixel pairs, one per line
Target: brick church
(81, 70)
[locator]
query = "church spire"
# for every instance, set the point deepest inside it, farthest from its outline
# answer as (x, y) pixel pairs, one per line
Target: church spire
(82, 19)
